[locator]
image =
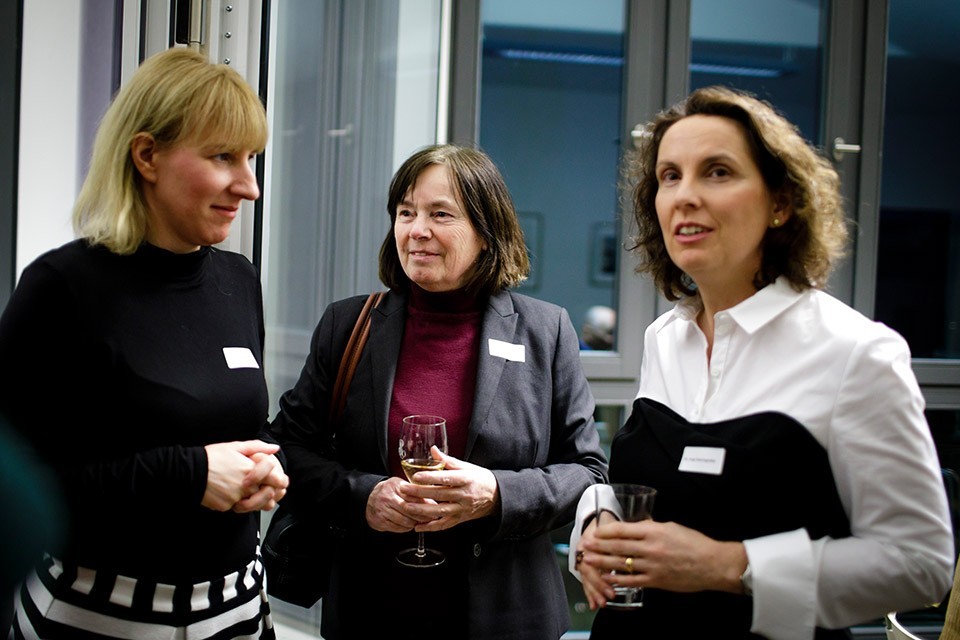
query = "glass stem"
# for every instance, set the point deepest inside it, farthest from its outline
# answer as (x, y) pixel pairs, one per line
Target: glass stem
(421, 552)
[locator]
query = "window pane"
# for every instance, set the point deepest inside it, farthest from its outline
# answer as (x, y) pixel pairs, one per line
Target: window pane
(945, 427)
(771, 48)
(918, 265)
(550, 117)
(355, 94)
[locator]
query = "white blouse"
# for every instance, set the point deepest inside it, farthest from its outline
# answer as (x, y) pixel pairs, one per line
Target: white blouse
(848, 380)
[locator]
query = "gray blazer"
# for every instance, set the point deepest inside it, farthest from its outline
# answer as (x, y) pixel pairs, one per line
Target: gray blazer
(532, 426)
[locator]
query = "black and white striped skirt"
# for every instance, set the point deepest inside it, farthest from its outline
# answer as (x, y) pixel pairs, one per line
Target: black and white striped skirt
(60, 601)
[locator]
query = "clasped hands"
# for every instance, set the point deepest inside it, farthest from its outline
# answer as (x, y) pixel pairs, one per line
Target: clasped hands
(244, 476)
(437, 500)
(663, 555)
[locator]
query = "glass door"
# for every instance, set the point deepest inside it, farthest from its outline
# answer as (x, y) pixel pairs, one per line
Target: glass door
(559, 89)
(918, 267)
(353, 91)
(805, 58)
(550, 116)
(553, 93)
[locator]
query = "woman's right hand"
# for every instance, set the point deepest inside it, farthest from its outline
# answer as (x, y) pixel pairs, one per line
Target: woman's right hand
(384, 508)
(663, 555)
(228, 464)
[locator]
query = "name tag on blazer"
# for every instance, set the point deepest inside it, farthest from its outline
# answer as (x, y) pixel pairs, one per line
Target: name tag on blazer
(707, 460)
(507, 351)
(240, 358)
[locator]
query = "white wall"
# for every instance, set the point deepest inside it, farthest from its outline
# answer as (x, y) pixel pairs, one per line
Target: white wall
(49, 175)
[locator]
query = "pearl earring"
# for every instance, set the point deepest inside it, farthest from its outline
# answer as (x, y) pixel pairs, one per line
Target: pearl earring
(776, 222)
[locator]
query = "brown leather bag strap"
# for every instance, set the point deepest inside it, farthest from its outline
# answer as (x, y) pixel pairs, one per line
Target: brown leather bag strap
(351, 356)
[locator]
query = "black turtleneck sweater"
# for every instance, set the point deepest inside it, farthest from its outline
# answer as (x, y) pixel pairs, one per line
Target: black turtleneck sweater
(114, 367)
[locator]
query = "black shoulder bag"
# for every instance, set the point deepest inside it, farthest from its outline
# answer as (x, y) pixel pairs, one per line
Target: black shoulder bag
(298, 548)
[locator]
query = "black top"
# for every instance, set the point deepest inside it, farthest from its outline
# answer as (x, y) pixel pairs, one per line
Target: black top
(114, 367)
(761, 492)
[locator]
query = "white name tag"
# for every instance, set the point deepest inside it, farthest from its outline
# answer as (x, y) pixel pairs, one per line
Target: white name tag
(507, 351)
(240, 358)
(703, 460)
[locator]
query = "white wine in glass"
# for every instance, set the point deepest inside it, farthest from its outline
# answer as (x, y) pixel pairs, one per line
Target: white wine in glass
(412, 465)
(418, 435)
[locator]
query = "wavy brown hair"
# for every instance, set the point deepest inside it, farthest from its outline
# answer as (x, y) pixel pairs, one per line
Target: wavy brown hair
(485, 199)
(804, 249)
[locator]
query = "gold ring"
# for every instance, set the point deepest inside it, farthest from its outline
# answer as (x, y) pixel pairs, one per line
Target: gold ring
(628, 563)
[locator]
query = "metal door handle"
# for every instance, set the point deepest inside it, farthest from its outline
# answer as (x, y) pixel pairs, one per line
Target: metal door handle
(637, 135)
(841, 147)
(340, 133)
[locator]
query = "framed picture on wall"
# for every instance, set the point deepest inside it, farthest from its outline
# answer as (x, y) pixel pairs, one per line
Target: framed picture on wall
(603, 253)
(532, 224)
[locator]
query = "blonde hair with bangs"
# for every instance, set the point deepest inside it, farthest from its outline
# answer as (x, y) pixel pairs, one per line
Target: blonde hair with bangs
(177, 96)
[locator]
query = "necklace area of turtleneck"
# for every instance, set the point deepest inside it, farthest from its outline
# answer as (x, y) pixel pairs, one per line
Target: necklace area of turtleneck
(168, 265)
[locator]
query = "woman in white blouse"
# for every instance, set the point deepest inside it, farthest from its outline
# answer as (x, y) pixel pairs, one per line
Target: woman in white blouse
(799, 490)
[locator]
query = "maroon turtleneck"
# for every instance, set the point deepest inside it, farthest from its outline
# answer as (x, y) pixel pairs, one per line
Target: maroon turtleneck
(437, 367)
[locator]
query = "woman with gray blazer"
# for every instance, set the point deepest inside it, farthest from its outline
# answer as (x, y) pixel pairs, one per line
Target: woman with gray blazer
(504, 369)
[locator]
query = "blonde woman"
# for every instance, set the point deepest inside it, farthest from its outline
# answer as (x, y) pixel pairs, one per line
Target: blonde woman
(132, 361)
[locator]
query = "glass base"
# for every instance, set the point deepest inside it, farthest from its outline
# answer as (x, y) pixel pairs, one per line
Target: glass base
(421, 559)
(626, 598)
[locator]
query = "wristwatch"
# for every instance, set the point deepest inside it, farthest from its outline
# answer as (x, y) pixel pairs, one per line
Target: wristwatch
(746, 581)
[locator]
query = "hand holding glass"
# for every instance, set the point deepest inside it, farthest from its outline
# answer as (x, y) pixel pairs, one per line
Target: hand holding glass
(627, 503)
(418, 435)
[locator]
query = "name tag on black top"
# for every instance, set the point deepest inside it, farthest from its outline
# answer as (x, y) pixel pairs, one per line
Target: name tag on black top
(707, 460)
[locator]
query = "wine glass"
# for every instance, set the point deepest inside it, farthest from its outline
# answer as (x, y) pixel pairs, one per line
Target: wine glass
(417, 435)
(627, 503)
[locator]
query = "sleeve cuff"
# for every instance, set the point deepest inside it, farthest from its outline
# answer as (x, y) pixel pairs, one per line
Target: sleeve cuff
(784, 585)
(585, 510)
(596, 497)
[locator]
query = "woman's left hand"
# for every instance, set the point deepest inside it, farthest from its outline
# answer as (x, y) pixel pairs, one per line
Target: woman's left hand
(461, 492)
(665, 555)
(595, 588)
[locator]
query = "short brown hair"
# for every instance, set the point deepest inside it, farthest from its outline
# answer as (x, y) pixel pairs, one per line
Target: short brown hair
(486, 201)
(804, 249)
